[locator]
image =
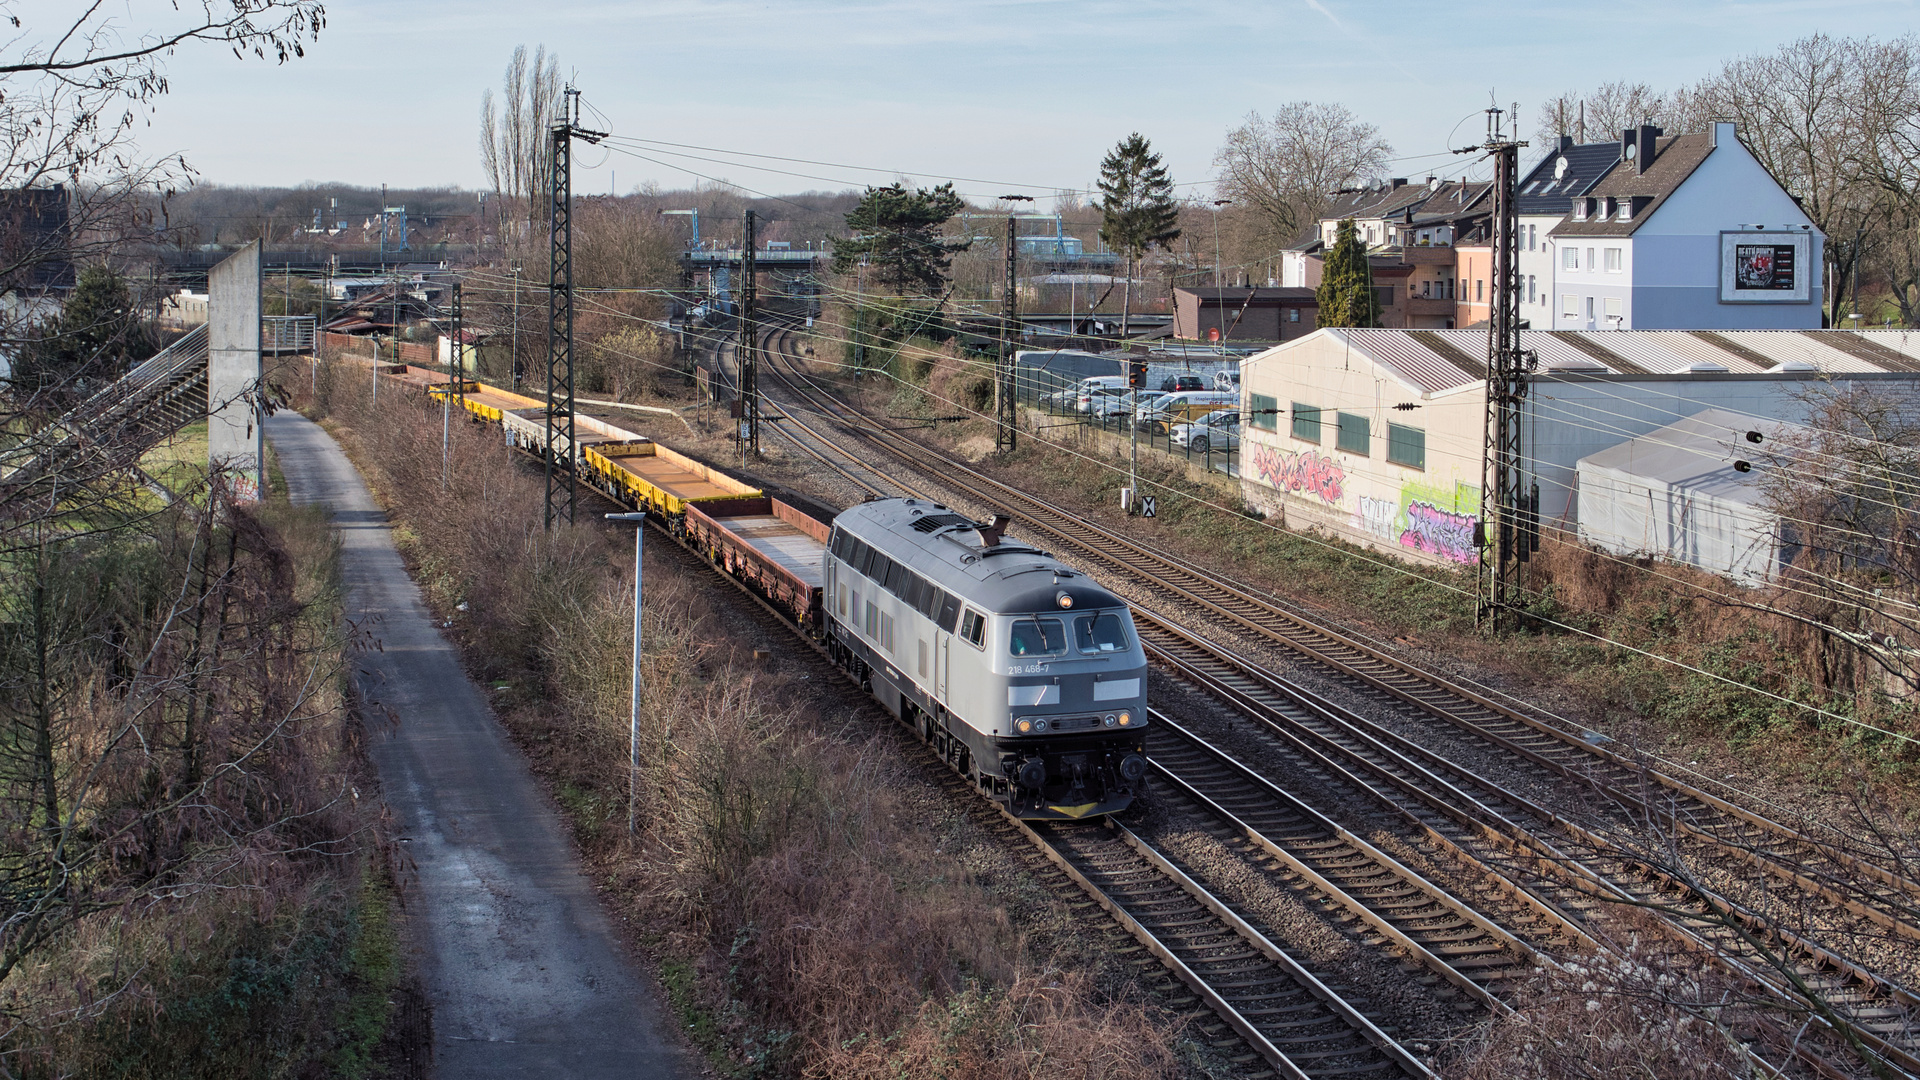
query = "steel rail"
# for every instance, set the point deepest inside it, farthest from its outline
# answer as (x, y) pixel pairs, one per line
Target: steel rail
(1399, 904)
(1199, 951)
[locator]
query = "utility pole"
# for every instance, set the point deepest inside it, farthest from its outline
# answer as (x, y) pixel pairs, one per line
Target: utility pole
(560, 432)
(1508, 531)
(748, 349)
(1217, 204)
(1006, 404)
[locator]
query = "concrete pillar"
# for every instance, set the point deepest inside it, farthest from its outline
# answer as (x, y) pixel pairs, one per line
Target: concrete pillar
(234, 436)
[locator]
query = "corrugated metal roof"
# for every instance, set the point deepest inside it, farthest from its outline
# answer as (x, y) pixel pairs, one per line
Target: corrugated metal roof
(1412, 359)
(1437, 361)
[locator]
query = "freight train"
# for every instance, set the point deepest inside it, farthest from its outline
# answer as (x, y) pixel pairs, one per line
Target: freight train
(1024, 674)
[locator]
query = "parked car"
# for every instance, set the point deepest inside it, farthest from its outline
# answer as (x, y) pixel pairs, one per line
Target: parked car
(1110, 408)
(1096, 386)
(1095, 400)
(1185, 407)
(1218, 430)
(1173, 384)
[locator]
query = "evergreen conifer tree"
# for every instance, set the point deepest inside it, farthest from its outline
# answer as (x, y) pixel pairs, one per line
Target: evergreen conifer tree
(1137, 209)
(1346, 283)
(898, 232)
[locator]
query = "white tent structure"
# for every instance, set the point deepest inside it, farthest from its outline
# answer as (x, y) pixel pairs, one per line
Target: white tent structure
(1676, 494)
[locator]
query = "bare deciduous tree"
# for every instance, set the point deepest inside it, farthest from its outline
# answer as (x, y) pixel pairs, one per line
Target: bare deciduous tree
(513, 132)
(1601, 115)
(1283, 167)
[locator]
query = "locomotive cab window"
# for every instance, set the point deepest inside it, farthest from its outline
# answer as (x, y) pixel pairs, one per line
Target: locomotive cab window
(1101, 632)
(973, 629)
(1037, 637)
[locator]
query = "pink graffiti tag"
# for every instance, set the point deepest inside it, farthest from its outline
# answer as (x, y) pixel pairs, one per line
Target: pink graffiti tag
(1307, 472)
(1437, 532)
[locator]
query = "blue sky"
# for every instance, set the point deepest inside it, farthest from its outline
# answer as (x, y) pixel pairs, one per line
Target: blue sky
(1029, 93)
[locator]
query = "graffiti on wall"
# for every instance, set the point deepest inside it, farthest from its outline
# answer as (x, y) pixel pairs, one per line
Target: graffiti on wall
(1308, 472)
(1376, 516)
(1440, 532)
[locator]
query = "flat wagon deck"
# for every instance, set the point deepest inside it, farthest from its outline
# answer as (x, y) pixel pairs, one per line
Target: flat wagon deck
(776, 548)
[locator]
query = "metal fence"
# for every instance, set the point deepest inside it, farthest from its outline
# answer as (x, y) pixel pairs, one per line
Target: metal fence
(287, 333)
(1057, 395)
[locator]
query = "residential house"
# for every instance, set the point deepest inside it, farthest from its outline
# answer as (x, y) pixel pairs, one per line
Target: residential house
(1686, 232)
(1543, 201)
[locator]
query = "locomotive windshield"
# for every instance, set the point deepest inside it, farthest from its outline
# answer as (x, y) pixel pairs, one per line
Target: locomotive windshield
(1100, 632)
(1034, 636)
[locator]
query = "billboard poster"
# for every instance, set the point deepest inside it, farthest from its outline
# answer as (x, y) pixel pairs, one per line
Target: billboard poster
(1762, 267)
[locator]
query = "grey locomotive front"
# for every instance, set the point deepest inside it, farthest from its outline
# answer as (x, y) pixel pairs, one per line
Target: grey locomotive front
(1024, 673)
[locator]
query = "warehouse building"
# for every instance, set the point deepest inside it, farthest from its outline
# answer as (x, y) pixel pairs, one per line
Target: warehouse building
(1377, 436)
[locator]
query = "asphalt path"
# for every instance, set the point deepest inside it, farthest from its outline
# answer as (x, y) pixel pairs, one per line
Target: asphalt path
(525, 975)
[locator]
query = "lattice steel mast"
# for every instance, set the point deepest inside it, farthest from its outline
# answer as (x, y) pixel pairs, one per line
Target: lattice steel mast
(1505, 535)
(560, 475)
(749, 348)
(1006, 407)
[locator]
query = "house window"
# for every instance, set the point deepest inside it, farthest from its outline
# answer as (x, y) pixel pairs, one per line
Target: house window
(1616, 308)
(1293, 314)
(1570, 258)
(1306, 422)
(1352, 434)
(1266, 412)
(1626, 209)
(1569, 305)
(1479, 290)
(1579, 209)
(1589, 312)
(1533, 237)
(1591, 263)
(1613, 260)
(1407, 446)
(1532, 282)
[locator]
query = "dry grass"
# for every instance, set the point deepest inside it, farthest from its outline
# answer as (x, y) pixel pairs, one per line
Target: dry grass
(779, 862)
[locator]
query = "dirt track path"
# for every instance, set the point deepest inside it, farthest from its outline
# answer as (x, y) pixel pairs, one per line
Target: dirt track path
(525, 976)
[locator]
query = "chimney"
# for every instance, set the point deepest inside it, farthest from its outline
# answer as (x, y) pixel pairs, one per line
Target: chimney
(1722, 131)
(1399, 181)
(990, 534)
(1648, 148)
(1566, 142)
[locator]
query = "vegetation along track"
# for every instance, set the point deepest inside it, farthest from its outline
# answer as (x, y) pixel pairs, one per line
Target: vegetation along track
(1845, 882)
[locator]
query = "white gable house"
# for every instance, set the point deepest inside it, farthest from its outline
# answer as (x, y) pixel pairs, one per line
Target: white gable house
(1688, 232)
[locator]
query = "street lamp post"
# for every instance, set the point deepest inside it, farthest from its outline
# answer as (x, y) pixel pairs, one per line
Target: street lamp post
(633, 707)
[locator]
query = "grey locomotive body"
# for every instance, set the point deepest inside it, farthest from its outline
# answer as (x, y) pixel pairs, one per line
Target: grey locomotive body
(1025, 674)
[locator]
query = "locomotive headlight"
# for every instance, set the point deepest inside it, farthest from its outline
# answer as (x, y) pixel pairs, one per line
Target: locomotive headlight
(1125, 719)
(1066, 601)
(1024, 726)
(1039, 725)
(1110, 720)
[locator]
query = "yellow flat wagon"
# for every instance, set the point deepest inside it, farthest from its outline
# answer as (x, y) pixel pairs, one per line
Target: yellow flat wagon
(646, 474)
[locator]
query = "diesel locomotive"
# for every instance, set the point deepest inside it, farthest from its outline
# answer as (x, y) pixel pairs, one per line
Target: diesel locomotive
(1024, 673)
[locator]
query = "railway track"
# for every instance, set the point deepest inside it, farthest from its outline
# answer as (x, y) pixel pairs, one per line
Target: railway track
(1880, 1010)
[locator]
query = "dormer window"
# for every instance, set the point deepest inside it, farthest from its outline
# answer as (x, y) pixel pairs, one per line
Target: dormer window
(1626, 209)
(1579, 209)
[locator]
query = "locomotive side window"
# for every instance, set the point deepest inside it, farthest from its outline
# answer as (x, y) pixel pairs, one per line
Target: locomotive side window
(886, 632)
(1037, 637)
(1100, 633)
(873, 622)
(949, 612)
(973, 629)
